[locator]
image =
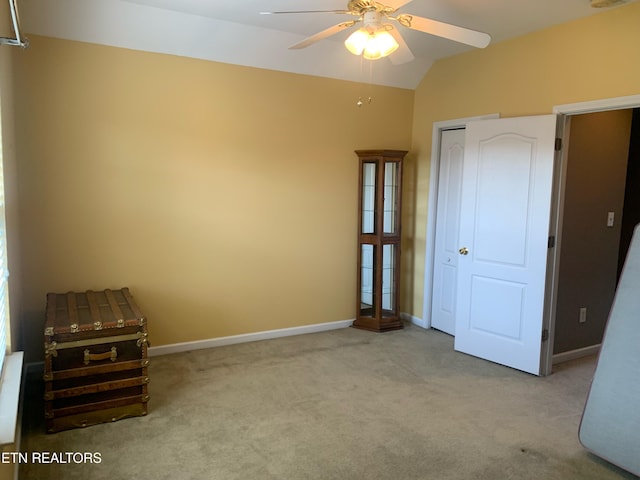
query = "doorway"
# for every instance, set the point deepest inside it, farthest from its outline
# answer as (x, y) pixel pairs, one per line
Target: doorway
(551, 310)
(593, 215)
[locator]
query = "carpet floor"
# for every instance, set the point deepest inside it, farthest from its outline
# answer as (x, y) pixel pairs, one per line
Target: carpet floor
(343, 404)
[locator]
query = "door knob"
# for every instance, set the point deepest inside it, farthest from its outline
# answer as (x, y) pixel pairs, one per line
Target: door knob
(463, 251)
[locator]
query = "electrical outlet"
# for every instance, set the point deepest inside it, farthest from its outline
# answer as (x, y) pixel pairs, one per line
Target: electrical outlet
(583, 315)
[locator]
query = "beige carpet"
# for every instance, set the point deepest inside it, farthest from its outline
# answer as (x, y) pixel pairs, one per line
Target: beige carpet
(345, 404)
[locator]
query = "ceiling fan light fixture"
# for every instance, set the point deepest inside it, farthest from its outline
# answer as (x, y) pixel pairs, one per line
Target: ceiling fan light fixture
(371, 45)
(357, 41)
(381, 45)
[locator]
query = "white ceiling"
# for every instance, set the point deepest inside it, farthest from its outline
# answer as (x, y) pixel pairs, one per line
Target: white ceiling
(233, 31)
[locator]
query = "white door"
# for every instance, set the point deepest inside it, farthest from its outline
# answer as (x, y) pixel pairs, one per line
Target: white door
(504, 228)
(445, 266)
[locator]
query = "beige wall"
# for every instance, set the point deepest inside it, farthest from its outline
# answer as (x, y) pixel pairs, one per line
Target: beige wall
(588, 59)
(225, 197)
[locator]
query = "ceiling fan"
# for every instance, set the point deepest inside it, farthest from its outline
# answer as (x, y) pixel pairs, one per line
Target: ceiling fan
(379, 38)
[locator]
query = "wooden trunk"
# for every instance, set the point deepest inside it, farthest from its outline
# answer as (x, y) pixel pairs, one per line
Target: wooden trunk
(95, 359)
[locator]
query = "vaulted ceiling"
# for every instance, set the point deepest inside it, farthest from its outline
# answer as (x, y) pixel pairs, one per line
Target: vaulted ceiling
(233, 31)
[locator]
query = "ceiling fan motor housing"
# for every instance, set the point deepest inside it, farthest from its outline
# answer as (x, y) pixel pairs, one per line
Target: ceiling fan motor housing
(363, 6)
(372, 21)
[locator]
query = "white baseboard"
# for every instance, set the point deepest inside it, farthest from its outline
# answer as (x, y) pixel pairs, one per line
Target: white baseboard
(247, 337)
(577, 353)
(413, 319)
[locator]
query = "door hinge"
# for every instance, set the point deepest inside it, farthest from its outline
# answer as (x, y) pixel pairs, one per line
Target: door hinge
(551, 242)
(545, 335)
(558, 145)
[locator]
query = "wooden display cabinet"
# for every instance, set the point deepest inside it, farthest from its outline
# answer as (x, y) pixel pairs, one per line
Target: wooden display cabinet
(379, 212)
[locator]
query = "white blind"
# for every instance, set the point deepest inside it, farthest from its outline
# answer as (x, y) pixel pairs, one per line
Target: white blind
(4, 272)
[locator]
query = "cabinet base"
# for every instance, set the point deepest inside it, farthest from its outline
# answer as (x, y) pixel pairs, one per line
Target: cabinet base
(374, 325)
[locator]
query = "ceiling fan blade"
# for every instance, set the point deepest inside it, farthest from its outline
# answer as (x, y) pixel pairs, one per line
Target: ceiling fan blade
(445, 30)
(346, 12)
(322, 35)
(403, 54)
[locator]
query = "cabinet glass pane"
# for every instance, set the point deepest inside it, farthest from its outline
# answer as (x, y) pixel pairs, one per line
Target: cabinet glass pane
(368, 197)
(367, 276)
(390, 197)
(388, 275)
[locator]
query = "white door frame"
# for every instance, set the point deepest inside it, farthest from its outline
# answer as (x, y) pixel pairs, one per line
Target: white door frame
(432, 206)
(616, 103)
